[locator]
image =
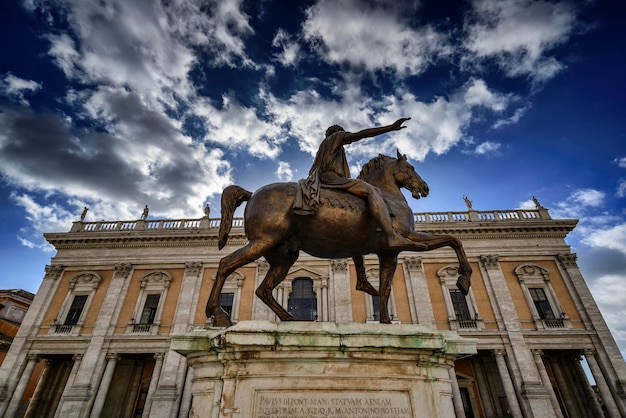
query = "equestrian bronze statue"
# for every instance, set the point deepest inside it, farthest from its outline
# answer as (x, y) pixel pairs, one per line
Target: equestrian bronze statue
(330, 215)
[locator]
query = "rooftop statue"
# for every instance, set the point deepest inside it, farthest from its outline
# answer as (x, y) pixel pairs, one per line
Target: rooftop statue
(330, 215)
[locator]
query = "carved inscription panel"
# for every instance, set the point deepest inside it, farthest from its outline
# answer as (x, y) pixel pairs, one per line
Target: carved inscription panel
(339, 404)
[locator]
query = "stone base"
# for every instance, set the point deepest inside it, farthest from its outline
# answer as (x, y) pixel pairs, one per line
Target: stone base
(320, 369)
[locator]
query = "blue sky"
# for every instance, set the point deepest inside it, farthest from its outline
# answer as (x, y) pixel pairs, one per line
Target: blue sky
(118, 104)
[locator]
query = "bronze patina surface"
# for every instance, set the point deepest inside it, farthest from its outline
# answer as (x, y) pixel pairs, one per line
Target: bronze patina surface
(344, 221)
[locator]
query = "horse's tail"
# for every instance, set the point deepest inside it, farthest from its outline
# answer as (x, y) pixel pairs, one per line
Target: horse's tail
(232, 197)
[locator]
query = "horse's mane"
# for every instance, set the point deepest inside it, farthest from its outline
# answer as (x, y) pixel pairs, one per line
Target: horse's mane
(375, 163)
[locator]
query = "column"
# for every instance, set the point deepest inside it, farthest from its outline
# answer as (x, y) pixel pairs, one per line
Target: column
(545, 379)
(507, 383)
(185, 401)
(589, 392)
(237, 300)
(103, 389)
(594, 320)
(603, 387)
(41, 384)
(569, 395)
(456, 394)
(156, 374)
(483, 387)
(70, 381)
(419, 298)
(324, 288)
(32, 360)
(341, 286)
(15, 359)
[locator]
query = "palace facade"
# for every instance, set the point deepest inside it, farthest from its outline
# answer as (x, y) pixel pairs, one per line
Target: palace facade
(96, 340)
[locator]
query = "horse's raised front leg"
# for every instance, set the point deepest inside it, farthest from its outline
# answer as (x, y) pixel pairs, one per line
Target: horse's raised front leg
(279, 262)
(433, 241)
(362, 283)
(228, 264)
(387, 265)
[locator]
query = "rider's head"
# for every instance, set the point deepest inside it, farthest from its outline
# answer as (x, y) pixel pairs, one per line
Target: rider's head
(333, 129)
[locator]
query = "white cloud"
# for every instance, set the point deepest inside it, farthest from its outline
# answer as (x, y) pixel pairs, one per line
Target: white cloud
(477, 94)
(487, 147)
(16, 87)
(613, 238)
(608, 292)
(289, 54)
(284, 171)
(49, 218)
(621, 162)
(578, 202)
(588, 197)
(372, 36)
(513, 119)
(621, 188)
(528, 204)
(435, 126)
(239, 127)
(519, 33)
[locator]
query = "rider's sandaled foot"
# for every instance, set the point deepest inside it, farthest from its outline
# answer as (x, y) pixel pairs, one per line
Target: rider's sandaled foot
(401, 243)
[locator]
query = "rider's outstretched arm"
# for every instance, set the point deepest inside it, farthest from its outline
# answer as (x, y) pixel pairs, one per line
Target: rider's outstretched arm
(351, 137)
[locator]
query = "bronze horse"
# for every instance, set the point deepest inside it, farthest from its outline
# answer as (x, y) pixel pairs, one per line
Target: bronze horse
(340, 228)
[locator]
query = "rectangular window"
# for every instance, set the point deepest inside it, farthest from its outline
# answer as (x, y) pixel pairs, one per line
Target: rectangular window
(461, 310)
(302, 303)
(226, 302)
(541, 303)
(76, 309)
(376, 307)
(150, 309)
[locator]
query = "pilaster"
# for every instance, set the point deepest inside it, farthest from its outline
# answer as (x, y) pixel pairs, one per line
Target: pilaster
(417, 291)
(15, 359)
(340, 282)
(526, 376)
(260, 311)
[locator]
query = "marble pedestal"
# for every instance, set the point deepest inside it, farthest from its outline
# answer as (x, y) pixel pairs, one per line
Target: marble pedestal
(319, 369)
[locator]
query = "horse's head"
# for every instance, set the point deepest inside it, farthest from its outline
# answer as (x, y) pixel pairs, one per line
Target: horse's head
(407, 177)
(384, 170)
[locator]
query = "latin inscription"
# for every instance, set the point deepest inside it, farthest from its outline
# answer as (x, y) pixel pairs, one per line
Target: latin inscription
(313, 404)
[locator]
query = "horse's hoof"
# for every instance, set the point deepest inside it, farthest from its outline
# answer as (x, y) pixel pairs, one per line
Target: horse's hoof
(463, 283)
(222, 321)
(365, 286)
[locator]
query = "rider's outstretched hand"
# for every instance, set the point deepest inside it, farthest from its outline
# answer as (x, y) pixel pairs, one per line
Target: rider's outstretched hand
(397, 125)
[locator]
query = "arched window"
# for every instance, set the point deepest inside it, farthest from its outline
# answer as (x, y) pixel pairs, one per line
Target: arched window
(540, 297)
(462, 309)
(302, 300)
(82, 289)
(149, 305)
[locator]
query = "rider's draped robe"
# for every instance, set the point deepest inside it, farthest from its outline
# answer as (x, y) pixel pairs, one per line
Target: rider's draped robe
(330, 169)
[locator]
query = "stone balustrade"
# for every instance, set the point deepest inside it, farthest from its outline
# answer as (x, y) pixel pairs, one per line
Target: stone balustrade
(206, 223)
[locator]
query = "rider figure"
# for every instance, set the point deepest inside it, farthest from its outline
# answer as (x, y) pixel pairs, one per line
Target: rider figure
(330, 169)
